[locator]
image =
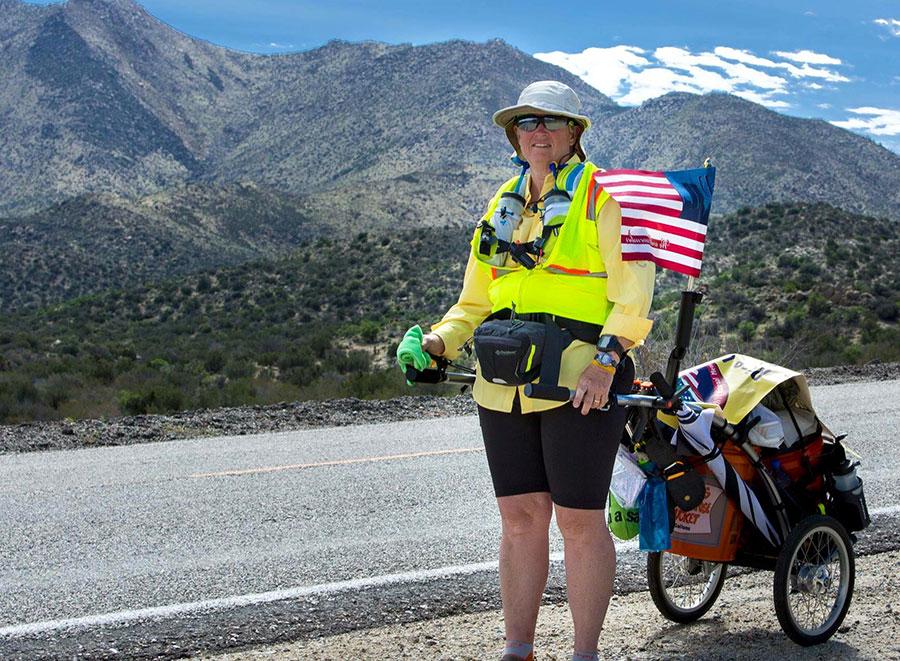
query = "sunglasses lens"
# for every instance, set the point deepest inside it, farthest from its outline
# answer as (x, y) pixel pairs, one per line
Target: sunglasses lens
(551, 123)
(528, 124)
(555, 123)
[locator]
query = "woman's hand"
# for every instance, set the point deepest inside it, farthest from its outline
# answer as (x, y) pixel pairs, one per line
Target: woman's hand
(592, 391)
(433, 344)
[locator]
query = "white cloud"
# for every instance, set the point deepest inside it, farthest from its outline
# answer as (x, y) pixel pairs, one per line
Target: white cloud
(877, 121)
(892, 24)
(807, 57)
(606, 69)
(744, 56)
(632, 75)
(807, 71)
(823, 106)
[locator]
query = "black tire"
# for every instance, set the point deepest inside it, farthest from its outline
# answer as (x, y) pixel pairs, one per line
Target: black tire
(814, 578)
(683, 589)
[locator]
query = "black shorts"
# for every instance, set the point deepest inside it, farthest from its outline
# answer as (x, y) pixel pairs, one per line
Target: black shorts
(560, 451)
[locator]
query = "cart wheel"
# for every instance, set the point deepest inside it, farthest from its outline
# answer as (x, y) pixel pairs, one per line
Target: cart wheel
(682, 588)
(814, 580)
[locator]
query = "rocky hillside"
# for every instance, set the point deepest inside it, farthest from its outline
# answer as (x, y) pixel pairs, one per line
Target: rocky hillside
(761, 155)
(100, 241)
(99, 96)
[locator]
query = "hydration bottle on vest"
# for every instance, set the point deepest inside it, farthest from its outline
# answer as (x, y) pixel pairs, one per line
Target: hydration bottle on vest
(505, 220)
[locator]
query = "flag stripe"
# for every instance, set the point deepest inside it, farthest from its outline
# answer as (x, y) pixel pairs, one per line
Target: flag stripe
(641, 248)
(663, 244)
(670, 192)
(662, 262)
(632, 181)
(627, 207)
(638, 214)
(651, 198)
(633, 173)
(663, 227)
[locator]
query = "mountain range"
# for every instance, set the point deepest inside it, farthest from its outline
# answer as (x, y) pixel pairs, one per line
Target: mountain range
(99, 96)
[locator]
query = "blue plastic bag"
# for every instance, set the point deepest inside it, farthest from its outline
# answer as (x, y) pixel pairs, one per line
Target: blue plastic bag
(654, 518)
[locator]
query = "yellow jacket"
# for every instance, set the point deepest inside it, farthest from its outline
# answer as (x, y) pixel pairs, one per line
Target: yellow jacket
(629, 287)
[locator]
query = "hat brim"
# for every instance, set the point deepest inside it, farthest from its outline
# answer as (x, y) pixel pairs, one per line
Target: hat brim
(504, 116)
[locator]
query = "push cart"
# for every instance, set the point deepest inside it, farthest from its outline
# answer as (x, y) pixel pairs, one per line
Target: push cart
(800, 491)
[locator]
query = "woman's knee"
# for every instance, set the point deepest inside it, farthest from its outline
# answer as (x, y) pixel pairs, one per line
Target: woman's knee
(525, 514)
(578, 525)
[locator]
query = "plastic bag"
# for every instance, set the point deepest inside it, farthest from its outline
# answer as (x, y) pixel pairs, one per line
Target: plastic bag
(627, 479)
(654, 517)
(623, 521)
(768, 432)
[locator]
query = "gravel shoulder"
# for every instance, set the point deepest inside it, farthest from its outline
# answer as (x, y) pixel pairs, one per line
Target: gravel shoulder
(67, 435)
(742, 625)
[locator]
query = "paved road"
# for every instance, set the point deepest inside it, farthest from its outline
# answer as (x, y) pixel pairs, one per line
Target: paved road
(167, 548)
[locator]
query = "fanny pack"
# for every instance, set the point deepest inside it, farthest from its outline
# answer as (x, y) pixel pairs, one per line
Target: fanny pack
(509, 351)
(513, 352)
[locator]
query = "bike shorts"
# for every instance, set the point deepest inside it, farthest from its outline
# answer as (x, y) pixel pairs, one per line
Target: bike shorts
(559, 451)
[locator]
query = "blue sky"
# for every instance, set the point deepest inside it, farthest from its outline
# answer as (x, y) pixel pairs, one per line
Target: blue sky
(837, 60)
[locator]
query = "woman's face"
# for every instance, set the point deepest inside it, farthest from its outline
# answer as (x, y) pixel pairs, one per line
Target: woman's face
(541, 147)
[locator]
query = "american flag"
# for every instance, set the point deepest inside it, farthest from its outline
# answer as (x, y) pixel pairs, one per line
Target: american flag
(664, 214)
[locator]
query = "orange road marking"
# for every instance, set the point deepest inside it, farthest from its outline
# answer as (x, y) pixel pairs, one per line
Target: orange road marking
(337, 462)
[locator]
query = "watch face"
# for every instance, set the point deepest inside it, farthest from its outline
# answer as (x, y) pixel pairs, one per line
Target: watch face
(606, 359)
(609, 342)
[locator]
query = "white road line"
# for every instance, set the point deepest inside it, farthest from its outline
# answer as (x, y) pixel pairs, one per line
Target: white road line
(337, 462)
(160, 612)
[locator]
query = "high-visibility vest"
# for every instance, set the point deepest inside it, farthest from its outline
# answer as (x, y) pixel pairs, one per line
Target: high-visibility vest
(570, 279)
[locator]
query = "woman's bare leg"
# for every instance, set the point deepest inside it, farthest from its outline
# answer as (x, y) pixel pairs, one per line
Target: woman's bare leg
(590, 558)
(524, 560)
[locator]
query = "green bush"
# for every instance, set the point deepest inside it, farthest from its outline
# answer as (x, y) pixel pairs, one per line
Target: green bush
(133, 403)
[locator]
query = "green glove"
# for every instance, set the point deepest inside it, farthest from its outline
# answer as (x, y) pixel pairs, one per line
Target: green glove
(410, 352)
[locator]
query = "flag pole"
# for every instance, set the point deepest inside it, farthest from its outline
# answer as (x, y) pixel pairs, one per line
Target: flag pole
(690, 298)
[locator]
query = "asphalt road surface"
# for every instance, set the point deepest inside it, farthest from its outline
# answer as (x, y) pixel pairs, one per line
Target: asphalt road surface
(168, 549)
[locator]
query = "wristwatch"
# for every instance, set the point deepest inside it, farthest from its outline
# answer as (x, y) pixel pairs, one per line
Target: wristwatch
(610, 343)
(605, 359)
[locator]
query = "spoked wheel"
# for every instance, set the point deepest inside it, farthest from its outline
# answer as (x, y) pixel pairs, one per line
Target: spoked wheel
(682, 588)
(814, 580)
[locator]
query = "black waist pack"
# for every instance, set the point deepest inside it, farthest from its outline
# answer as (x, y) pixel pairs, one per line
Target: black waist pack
(509, 351)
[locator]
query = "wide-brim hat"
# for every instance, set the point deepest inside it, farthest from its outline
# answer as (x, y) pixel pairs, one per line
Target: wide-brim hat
(548, 97)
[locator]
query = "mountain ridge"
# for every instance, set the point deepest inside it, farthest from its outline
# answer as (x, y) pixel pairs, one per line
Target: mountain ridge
(172, 108)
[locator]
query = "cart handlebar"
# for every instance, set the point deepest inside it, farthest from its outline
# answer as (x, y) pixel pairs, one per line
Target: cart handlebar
(668, 400)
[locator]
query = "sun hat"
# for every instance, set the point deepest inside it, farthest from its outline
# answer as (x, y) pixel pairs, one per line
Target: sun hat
(549, 97)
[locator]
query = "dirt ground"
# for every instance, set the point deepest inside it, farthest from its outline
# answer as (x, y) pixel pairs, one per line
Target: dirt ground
(741, 625)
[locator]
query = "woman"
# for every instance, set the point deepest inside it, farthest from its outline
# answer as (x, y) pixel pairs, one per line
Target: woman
(561, 265)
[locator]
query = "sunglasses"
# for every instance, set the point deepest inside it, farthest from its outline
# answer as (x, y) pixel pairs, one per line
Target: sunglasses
(529, 123)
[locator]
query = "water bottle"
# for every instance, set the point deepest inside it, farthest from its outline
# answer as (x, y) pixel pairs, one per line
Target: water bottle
(782, 479)
(505, 220)
(556, 208)
(849, 502)
(845, 478)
